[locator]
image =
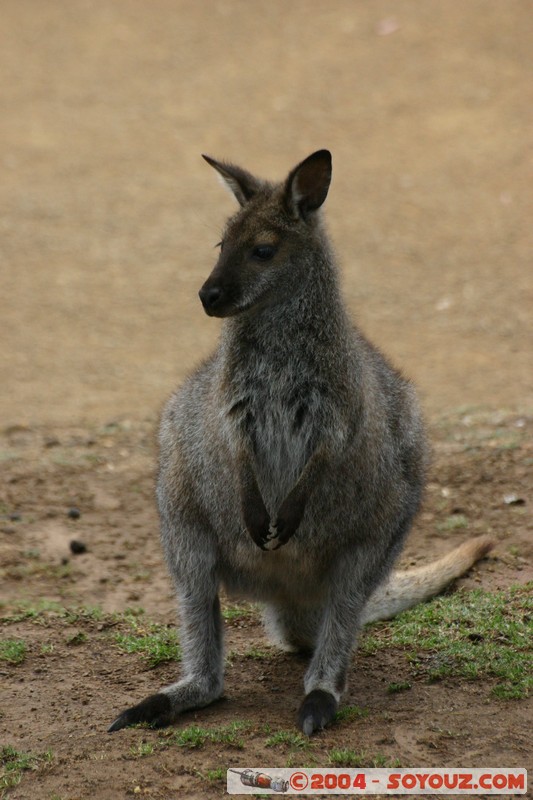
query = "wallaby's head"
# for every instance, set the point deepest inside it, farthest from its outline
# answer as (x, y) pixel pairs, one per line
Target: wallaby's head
(270, 245)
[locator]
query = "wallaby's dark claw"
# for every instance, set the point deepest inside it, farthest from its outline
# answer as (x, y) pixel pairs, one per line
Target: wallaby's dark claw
(272, 538)
(155, 710)
(279, 542)
(317, 710)
(257, 521)
(289, 517)
(259, 537)
(261, 542)
(284, 532)
(272, 532)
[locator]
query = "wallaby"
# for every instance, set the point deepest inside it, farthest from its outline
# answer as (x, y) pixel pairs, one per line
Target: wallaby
(292, 462)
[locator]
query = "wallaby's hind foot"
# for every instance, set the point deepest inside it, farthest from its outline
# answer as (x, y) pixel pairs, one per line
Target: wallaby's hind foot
(164, 708)
(156, 710)
(318, 709)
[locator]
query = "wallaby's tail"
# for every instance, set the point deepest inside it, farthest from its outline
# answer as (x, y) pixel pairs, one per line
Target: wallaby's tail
(404, 589)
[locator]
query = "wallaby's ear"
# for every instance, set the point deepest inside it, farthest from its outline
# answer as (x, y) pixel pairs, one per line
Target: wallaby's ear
(308, 183)
(240, 183)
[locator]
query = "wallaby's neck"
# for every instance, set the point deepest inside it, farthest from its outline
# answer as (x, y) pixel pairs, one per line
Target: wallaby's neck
(309, 325)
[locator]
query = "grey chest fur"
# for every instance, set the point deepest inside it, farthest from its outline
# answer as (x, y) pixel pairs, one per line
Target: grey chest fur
(279, 424)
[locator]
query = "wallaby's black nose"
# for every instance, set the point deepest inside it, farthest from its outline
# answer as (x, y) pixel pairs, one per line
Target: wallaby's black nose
(210, 297)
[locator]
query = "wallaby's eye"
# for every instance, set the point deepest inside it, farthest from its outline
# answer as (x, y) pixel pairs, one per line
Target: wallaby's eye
(264, 252)
(220, 244)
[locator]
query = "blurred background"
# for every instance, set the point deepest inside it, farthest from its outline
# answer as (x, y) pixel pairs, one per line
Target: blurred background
(109, 216)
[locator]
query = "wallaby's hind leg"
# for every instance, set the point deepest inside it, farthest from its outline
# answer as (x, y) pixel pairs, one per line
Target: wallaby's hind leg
(325, 679)
(203, 680)
(291, 628)
(200, 639)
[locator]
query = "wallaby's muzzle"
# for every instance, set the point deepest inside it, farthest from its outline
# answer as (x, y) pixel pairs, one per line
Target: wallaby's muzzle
(221, 293)
(212, 298)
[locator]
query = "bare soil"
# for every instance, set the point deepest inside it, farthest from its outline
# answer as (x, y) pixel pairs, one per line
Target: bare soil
(108, 217)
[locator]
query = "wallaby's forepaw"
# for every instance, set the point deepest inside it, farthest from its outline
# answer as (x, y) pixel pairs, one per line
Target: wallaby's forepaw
(317, 710)
(156, 710)
(289, 518)
(257, 524)
(261, 535)
(279, 534)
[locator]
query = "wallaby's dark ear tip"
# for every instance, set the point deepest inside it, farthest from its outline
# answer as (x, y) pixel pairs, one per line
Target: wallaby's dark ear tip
(325, 157)
(325, 154)
(209, 160)
(308, 184)
(320, 155)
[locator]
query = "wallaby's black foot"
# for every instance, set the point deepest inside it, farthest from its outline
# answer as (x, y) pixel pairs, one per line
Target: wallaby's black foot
(317, 710)
(156, 710)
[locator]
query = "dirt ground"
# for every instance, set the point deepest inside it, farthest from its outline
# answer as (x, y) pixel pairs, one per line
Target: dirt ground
(108, 220)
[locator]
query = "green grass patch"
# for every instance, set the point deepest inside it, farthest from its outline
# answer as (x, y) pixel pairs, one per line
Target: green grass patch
(13, 651)
(474, 635)
(350, 713)
(240, 611)
(344, 757)
(79, 637)
(402, 686)
(290, 739)
(142, 749)
(37, 569)
(230, 734)
(214, 776)
(257, 654)
(45, 610)
(192, 737)
(73, 616)
(13, 764)
(195, 737)
(28, 611)
(156, 643)
(453, 522)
